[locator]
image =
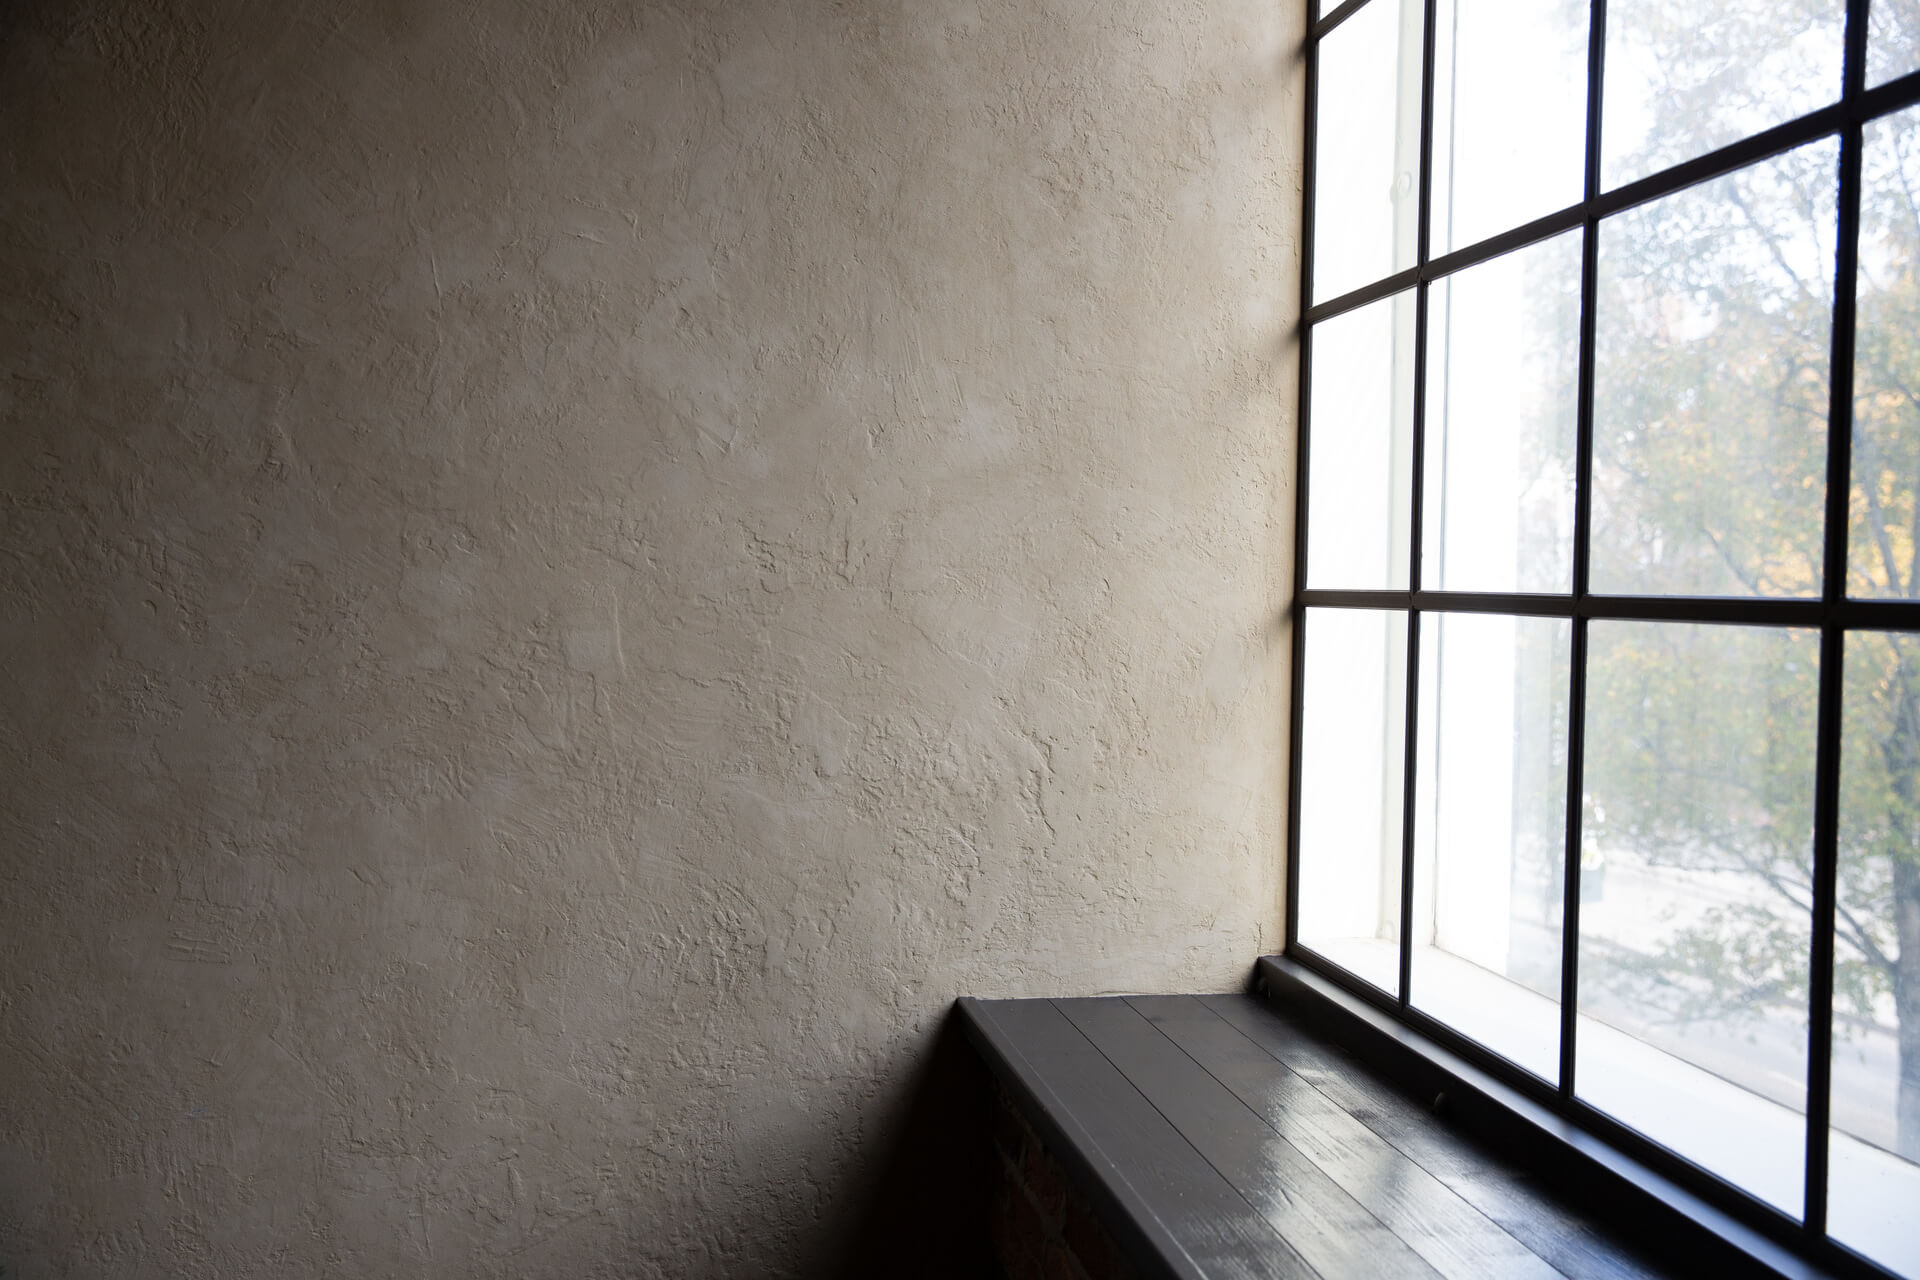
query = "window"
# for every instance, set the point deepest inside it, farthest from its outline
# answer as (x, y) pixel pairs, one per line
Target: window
(1607, 741)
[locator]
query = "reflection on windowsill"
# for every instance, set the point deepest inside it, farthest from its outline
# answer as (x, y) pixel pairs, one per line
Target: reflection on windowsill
(1753, 1142)
(1871, 1195)
(1489, 1008)
(1370, 958)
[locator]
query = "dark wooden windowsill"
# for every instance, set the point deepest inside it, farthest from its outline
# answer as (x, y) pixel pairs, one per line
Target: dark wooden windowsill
(1224, 1136)
(1578, 1165)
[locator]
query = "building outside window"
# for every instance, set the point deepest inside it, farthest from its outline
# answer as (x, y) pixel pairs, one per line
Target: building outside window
(1607, 754)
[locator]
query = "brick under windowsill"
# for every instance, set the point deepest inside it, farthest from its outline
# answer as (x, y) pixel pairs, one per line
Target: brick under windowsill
(1043, 1229)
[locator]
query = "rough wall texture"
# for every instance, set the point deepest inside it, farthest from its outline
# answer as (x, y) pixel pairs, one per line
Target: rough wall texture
(572, 573)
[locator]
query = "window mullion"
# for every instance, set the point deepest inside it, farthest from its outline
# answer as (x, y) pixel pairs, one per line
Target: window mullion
(1826, 803)
(1409, 810)
(1582, 537)
(1303, 442)
(1826, 798)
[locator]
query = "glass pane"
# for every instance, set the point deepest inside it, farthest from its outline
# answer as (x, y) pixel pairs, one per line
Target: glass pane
(1367, 148)
(1695, 879)
(1360, 458)
(1686, 79)
(1494, 167)
(1352, 762)
(1881, 546)
(1503, 356)
(1710, 389)
(1893, 40)
(1874, 1145)
(1490, 831)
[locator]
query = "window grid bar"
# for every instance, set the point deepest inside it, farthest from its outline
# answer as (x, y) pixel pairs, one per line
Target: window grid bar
(1409, 778)
(1895, 95)
(1852, 615)
(1826, 803)
(1582, 542)
(1410, 758)
(1849, 615)
(1834, 613)
(1296, 688)
(1826, 794)
(1333, 19)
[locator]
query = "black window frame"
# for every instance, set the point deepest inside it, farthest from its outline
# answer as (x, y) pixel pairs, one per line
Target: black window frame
(1833, 614)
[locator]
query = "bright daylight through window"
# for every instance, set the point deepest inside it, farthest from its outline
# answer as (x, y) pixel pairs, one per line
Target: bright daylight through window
(1608, 743)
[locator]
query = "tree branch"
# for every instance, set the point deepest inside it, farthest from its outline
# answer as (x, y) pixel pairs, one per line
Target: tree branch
(1739, 199)
(1859, 937)
(1877, 519)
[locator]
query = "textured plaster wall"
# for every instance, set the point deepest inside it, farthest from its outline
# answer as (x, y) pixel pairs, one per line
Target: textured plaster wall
(571, 574)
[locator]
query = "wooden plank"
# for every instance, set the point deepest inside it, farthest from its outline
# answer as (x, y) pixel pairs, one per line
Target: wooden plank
(1331, 1230)
(1457, 1239)
(1200, 1223)
(1556, 1233)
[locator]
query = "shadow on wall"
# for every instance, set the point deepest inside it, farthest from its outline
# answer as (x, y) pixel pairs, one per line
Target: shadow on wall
(926, 1206)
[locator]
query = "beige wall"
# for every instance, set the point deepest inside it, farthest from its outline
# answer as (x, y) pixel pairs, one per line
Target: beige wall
(573, 573)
